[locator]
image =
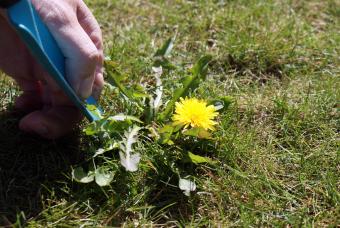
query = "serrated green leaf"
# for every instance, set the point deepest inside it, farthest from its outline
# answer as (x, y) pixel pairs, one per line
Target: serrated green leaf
(128, 158)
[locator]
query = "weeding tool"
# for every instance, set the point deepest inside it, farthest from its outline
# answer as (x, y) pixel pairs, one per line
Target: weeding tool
(35, 34)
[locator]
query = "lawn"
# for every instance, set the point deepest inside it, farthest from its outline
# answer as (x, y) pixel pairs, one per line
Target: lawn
(276, 150)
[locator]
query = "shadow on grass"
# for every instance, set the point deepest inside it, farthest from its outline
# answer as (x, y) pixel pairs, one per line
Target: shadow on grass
(26, 163)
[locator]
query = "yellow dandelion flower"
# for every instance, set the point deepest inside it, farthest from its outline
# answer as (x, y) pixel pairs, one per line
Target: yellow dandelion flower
(195, 113)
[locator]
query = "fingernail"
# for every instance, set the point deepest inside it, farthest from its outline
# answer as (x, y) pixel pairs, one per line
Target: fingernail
(41, 130)
(85, 88)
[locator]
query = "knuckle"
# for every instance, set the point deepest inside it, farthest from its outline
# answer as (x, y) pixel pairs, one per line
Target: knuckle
(92, 57)
(97, 39)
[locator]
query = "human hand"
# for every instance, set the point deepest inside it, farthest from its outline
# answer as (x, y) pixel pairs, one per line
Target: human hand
(51, 114)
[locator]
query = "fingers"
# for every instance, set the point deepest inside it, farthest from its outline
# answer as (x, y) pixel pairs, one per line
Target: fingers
(92, 28)
(90, 25)
(79, 36)
(28, 102)
(82, 55)
(31, 98)
(51, 123)
(56, 116)
(98, 85)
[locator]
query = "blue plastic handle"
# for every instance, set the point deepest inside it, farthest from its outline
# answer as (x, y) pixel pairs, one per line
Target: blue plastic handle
(44, 48)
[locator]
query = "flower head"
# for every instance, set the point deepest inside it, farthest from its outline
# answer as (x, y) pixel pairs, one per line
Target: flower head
(195, 113)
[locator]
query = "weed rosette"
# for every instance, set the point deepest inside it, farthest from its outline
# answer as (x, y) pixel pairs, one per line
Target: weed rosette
(166, 134)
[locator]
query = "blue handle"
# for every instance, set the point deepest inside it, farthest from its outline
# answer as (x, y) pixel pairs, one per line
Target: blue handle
(44, 48)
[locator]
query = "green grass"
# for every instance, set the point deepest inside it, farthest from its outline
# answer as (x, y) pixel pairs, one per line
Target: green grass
(277, 148)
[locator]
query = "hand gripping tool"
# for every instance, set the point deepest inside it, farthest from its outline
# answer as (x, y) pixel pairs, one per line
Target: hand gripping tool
(36, 36)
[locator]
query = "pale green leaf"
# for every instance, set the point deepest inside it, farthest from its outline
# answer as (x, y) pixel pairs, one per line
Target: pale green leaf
(81, 176)
(187, 186)
(196, 159)
(129, 160)
(103, 177)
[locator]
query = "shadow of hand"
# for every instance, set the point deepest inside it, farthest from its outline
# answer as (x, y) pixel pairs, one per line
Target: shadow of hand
(26, 163)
